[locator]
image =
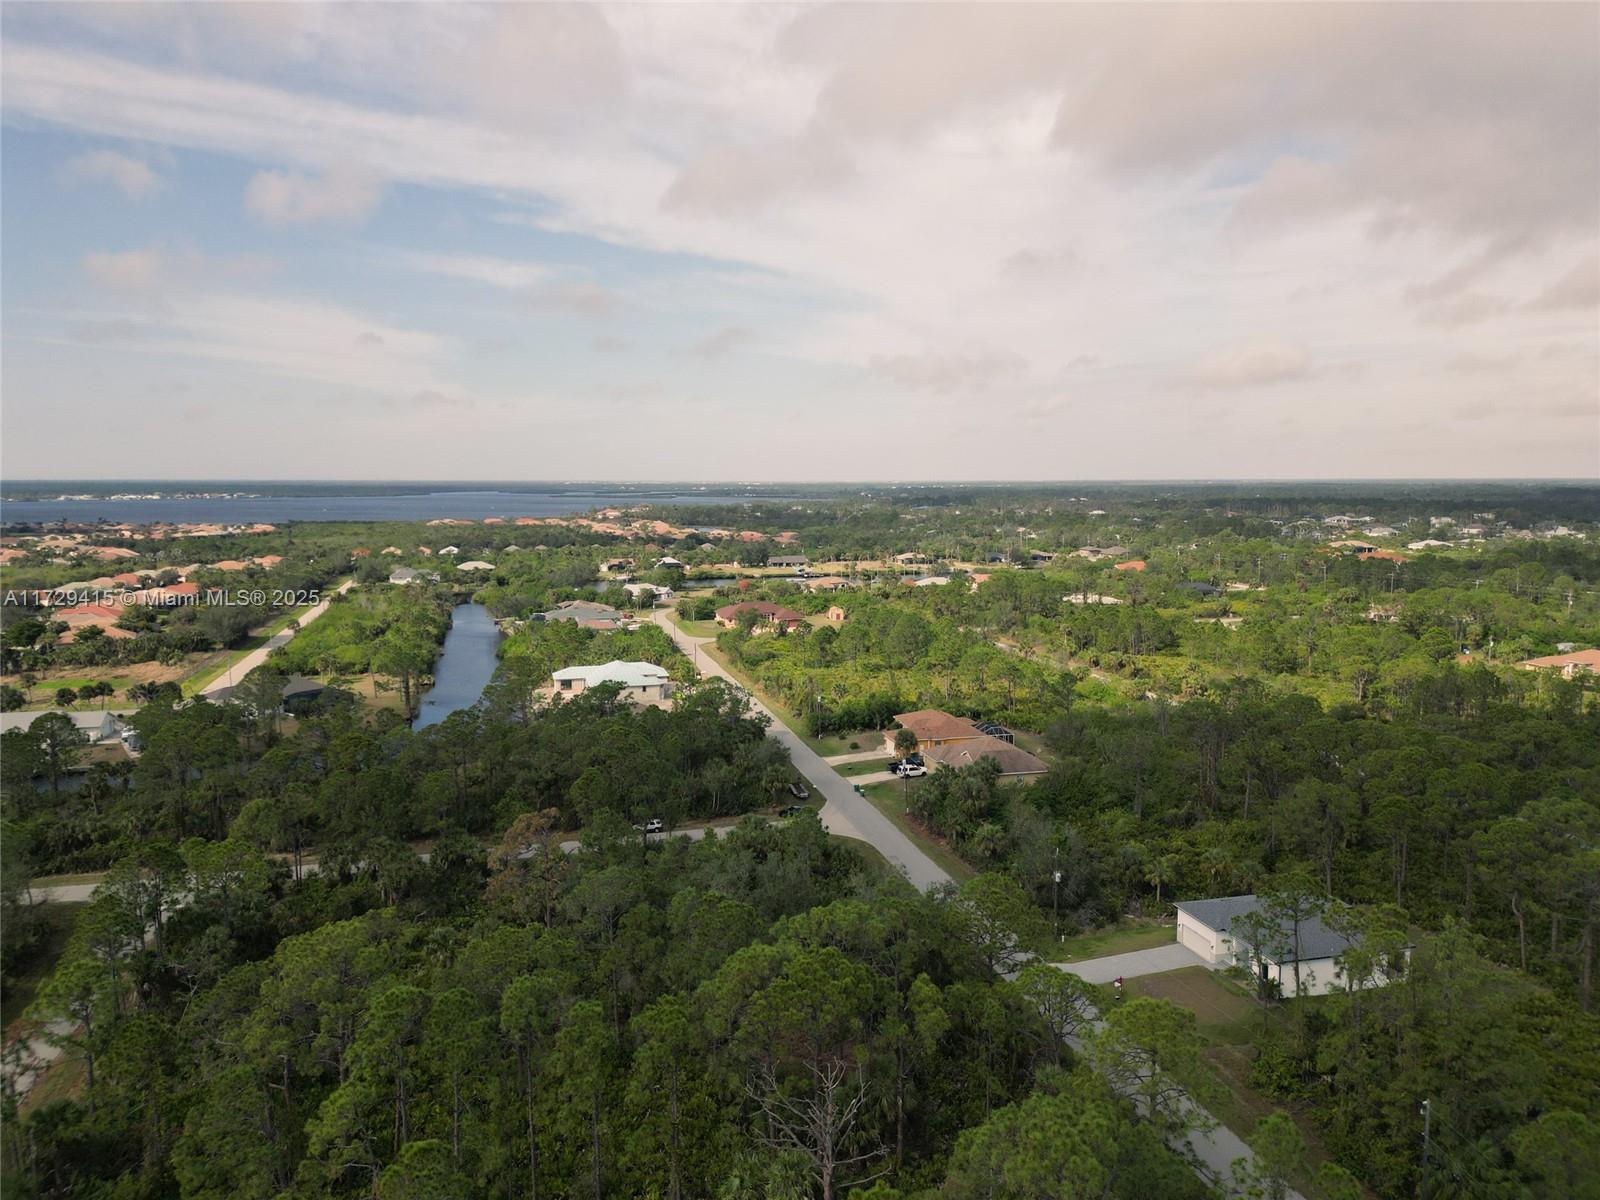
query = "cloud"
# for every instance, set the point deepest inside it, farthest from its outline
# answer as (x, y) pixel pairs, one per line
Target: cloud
(1253, 363)
(156, 270)
(125, 271)
(367, 338)
(1579, 288)
(1468, 308)
(969, 371)
(583, 297)
(504, 273)
(745, 179)
(291, 198)
(133, 177)
(723, 342)
(104, 331)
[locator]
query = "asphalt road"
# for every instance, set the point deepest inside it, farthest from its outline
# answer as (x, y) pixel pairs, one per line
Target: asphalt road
(235, 674)
(843, 812)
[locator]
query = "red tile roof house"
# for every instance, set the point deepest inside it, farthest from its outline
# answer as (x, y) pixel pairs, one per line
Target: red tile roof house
(770, 616)
(1570, 665)
(953, 741)
(81, 616)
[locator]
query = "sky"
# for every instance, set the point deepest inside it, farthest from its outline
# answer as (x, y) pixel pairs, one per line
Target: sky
(944, 241)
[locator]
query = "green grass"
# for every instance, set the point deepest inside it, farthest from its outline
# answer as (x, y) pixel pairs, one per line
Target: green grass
(208, 674)
(1229, 1019)
(55, 922)
(1115, 939)
(888, 799)
(697, 629)
(863, 768)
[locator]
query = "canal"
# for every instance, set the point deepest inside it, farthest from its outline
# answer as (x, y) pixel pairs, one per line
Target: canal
(465, 665)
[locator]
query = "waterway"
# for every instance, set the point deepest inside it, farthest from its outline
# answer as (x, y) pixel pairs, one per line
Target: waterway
(465, 665)
(422, 505)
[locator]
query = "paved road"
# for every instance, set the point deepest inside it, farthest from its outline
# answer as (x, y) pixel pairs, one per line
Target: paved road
(843, 812)
(232, 677)
(874, 777)
(1135, 963)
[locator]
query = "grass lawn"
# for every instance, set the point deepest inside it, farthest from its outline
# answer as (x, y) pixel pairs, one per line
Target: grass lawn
(1229, 1020)
(870, 767)
(887, 798)
(1114, 939)
(209, 671)
(697, 629)
(56, 921)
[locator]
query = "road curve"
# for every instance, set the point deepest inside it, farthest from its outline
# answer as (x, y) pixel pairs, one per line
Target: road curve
(843, 811)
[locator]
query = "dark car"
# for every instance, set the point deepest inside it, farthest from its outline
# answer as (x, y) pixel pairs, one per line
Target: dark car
(798, 791)
(914, 759)
(794, 810)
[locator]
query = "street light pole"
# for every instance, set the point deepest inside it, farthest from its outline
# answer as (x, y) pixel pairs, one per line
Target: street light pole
(1055, 895)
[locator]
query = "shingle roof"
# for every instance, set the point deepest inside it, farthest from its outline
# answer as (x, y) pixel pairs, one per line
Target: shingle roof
(629, 674)
(1316, 939)
(934, 724)
(1013, 761)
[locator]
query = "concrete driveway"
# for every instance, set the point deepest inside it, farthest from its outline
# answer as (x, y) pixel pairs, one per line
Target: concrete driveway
(1135, 963)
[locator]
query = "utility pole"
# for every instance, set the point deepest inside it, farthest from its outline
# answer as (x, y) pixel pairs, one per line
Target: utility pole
(1055, 895)
(1427, 1129)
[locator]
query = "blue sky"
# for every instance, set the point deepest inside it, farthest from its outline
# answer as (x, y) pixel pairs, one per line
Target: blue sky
(946, 241)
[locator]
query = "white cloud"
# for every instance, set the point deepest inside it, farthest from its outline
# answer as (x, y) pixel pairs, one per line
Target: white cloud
(126, 270)
(1252, 363)
(504, 273)
(291, 198)
(960, 371)
(723, 342)
(1579, 288)
(133, 177)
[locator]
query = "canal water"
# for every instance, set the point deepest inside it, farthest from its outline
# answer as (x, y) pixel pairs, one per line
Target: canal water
(465, 665)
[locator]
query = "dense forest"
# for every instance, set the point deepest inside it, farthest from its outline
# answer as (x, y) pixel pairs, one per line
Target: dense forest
(333, 956)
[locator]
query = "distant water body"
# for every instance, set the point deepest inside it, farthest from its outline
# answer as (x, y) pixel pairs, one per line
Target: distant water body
(418, 506)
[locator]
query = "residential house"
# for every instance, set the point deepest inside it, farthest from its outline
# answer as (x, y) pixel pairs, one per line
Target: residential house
(98, 727)
(1579, 662)
(1213, 930)
(932, 728)
(768, 615)
(1014, 762)
(1041, 556)
(405, 575)
(792, 562)
(1428, 544)
(657, 592)
(588, 613)
(1198, 587)
(912, 558)
(616, 566)
(836, 614)
(642, 682)
(452, 551)
(669, 564)
(475, 565)
(827, 583)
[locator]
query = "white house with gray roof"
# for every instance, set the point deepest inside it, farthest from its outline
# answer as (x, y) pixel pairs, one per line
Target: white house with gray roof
(643, 682)
(1211, 929)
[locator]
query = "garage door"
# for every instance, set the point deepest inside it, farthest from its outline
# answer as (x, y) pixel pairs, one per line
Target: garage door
(1194, 940)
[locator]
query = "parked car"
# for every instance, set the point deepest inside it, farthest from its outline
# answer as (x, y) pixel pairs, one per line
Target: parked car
(913, 759)
(910, 770)
(798, 791)
(794, 810)
(654, 825)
